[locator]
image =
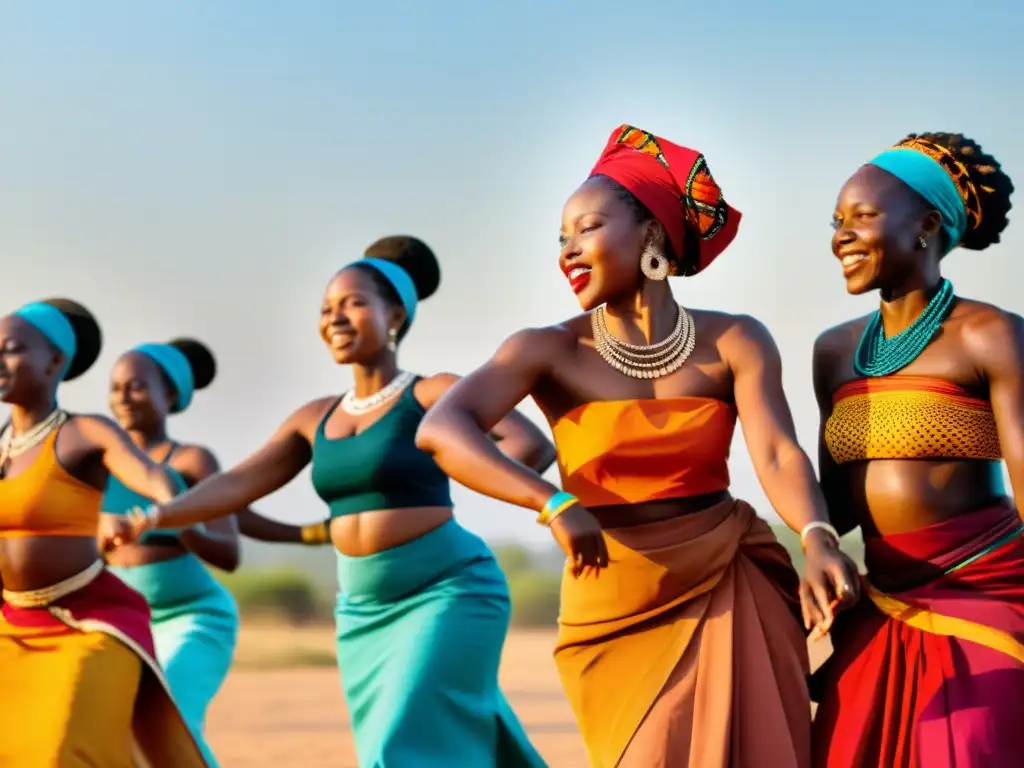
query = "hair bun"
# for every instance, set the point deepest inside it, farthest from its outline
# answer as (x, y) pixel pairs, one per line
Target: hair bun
(415, 257)
(200, 360)
(88, 336)
(986, 174)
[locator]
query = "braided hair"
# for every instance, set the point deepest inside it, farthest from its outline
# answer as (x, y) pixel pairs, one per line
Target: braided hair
(993, 185)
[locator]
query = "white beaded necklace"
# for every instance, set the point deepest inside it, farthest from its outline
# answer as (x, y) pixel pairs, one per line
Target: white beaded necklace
(12, 446)
(357, 406)
(645, 361)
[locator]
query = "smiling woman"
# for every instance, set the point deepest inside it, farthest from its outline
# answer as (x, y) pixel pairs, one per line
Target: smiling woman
(687, 650)
(76, 653)
(194, 619)
(423, 607)
(919, 402)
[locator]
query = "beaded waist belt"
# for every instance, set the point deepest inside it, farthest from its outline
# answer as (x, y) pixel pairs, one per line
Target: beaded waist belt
(40, 598)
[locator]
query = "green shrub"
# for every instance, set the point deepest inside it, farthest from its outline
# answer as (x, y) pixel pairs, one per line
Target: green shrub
(513, 559)
(534, 599)
(279, 593)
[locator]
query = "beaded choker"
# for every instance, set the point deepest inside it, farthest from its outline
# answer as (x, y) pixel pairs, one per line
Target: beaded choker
(879, 355)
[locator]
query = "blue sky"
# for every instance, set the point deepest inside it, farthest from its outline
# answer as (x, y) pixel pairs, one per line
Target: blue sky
(203, 168)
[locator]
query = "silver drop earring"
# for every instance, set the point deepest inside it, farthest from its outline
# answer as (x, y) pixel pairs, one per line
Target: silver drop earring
(392, 339)
(922, 242)
(653, 265)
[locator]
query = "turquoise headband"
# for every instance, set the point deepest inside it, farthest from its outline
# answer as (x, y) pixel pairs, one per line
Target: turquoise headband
(930, 180)
(400, 281)
(177, 367)
(55, 326)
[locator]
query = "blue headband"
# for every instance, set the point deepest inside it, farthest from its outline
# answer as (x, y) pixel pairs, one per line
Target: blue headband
(931, 181)
(55, 326)
(178, 369)
(400, 281)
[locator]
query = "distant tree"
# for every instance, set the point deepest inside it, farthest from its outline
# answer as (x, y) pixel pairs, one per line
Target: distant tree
(534, 599)
(513, 558)
(279, 593)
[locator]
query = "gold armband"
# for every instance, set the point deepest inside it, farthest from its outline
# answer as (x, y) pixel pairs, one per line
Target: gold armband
(316, 533)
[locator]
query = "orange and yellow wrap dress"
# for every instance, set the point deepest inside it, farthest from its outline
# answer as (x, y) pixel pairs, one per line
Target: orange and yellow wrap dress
(81, 687)
(687, 651)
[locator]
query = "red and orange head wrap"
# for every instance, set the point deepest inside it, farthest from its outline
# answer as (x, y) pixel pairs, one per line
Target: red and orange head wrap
(674, 183)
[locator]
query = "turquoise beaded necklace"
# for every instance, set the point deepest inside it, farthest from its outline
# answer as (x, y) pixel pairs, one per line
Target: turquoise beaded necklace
(878, 355)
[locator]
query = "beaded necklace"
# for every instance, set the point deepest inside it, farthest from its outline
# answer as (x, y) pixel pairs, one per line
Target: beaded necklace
(879, 355)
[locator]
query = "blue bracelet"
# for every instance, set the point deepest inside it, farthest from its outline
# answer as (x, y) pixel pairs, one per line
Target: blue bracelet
(555, 505)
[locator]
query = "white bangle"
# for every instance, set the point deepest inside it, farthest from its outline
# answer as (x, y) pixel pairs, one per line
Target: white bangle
(815, 524)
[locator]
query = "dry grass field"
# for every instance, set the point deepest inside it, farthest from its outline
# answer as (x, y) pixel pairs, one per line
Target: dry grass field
(282, 703)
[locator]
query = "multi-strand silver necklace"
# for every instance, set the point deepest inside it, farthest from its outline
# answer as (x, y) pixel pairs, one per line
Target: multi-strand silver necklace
(645, 361)
(357, 406)
(12, 446)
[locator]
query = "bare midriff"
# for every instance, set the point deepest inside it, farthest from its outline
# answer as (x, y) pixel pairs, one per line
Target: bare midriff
(366, 533)
(897, 495)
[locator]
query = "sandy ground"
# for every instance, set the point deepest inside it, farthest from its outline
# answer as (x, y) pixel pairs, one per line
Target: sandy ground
(267, 715)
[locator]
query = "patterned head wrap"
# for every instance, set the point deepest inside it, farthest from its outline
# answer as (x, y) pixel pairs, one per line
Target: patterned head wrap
(676, 186)
(935, 174)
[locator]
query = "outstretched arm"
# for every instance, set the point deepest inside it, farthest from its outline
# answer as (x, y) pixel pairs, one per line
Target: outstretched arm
(125, 461)
(256, 526)
(785, 471)
(217, 541)
(265, 471)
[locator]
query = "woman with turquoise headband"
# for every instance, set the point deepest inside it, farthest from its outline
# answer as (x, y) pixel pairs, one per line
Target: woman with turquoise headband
(423, 608)
(81, 684)
(921, 403)
(194, 619)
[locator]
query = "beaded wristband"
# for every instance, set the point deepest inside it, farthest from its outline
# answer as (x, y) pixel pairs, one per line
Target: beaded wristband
(555, 506)
(315, 533)
(814, 524)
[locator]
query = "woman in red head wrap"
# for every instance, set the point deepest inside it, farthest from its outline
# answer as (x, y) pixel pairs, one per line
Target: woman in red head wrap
(680, 641)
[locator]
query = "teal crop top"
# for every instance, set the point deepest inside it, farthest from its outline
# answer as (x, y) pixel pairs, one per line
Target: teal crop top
(119, 499)
(381, 467)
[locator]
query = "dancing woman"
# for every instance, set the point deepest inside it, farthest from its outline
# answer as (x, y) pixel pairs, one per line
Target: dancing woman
(194, 619)
(919, 402)
(688, 649)
(423, 607)
(81, 686)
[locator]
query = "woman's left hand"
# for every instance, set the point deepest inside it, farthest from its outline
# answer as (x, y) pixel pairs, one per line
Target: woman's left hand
(114, 531)
(830, 584)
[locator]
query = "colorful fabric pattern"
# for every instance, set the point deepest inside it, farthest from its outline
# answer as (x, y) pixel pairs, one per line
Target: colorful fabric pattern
(89, 690)
(675, 184)
(957, 172)
(927, 672)
(909, 417)
(688, 651)
(633, 451)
